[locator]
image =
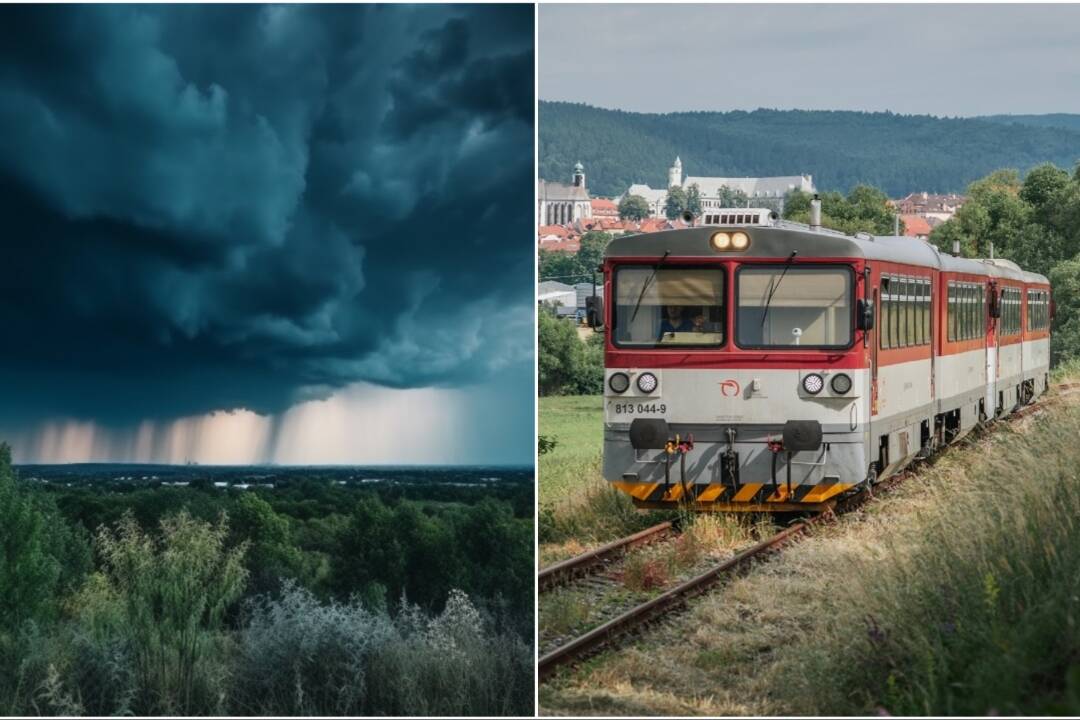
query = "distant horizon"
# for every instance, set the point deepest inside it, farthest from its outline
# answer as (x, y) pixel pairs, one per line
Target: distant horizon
(804, 109)
(403, 466)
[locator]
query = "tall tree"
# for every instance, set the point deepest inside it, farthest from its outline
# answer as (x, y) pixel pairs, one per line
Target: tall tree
(693, 199)
(633, 207)
(28, 573)
(675, 203)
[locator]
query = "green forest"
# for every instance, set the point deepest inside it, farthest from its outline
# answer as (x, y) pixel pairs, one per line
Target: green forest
(898, 154)
(310, 598)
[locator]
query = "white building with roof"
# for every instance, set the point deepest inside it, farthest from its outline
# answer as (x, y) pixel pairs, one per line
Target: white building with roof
(561, 204)
(761, 191)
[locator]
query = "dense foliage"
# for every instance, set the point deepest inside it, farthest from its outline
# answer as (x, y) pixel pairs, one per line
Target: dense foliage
(307, 598)
(897, 153)
(582, 266)
(566, 365)
(1034, 222)
(863, 209)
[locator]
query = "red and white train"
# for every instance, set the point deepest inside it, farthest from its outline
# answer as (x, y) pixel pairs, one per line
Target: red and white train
(763, 365)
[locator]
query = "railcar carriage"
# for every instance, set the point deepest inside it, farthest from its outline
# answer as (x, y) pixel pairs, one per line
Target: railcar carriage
(756, 364)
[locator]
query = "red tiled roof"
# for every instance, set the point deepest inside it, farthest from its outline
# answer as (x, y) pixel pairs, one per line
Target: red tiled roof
(572, 245)
(558, 230)
(599, 205)
(915, 226)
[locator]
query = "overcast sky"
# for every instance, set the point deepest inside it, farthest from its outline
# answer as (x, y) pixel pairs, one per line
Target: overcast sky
(915, 59)
(298, 234)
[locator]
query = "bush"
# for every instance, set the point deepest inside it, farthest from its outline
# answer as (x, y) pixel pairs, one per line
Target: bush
(568, 366)
(173, 591)
(300, 657)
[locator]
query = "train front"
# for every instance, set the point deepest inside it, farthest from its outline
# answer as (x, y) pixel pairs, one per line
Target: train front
(736, 372)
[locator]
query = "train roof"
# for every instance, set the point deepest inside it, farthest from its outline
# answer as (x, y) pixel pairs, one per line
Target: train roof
(781, 238)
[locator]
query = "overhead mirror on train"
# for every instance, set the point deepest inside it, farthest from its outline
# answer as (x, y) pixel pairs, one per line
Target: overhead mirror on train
(594, 312)
(864, 315)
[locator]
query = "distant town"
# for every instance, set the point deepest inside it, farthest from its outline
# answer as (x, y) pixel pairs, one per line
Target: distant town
(566, 212)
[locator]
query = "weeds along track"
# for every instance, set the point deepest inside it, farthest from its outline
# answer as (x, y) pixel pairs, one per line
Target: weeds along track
(658, 607)
(562, 573)
(556, 655)
(636, 570)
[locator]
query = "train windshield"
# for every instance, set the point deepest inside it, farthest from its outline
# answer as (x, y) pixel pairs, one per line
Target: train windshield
(669, 306)
(789, 306)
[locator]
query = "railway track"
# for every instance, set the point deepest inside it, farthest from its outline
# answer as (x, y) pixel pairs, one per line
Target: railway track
(561, 573)
(621, 625)
(655, 608)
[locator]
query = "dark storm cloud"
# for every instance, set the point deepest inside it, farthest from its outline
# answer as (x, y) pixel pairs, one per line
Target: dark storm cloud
(221, 207)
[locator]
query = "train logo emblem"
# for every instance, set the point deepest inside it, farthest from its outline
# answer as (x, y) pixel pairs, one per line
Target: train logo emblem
(729, 388)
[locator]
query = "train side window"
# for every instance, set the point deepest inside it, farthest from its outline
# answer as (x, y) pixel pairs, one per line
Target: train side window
(922, 311)
(973, 313)
(910, 312)
(983, 310)
(918, 311)
(980, 312)
(886, 318)
(902, 320)
(883, 321)
(977, 312)
(962, 333)
(898, 312)
(963, 325)
(928, 294)
(950, 305)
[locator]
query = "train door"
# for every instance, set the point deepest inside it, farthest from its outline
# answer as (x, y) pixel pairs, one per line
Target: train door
(990, 404)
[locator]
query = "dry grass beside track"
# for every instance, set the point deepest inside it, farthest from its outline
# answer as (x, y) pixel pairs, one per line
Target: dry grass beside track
(959, 592)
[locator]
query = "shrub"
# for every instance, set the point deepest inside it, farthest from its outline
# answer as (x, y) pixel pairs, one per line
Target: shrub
(300, 657)
(173, 591)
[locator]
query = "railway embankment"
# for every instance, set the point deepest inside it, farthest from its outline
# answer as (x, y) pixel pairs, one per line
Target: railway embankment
(958, 592)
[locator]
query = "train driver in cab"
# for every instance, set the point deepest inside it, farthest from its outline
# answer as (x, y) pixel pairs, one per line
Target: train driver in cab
(675, 320)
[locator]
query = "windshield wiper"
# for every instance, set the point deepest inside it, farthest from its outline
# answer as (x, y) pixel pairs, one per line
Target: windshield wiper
(768, 300)
(648, 281)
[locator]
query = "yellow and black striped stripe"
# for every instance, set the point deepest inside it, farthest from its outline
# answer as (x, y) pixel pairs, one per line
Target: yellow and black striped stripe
(759, 497)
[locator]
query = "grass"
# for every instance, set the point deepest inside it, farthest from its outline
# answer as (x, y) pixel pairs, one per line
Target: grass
(578, 508)
(576, 423)
(957, 593)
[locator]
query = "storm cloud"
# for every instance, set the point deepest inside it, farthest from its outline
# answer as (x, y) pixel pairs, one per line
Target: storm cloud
(213, 208)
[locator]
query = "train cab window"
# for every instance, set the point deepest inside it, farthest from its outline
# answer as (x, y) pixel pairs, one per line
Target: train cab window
(780, 306)
(669, 306)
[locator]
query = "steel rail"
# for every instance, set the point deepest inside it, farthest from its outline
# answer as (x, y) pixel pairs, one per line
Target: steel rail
(562, 572)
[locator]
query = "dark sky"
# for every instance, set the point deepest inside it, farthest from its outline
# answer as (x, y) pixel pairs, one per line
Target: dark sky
(211, 208)
(917, 58)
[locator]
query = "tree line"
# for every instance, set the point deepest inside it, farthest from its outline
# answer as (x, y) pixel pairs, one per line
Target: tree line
(896, 153)
(309, 600)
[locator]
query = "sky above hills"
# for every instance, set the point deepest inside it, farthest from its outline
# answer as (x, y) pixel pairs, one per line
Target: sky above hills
(965, 60)
(251, 233)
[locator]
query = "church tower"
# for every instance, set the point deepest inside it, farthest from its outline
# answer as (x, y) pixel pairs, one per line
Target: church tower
(674, 174)
(579, 175)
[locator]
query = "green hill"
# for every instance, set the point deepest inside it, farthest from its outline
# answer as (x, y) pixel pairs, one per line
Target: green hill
(897, 153)
(1051, 120)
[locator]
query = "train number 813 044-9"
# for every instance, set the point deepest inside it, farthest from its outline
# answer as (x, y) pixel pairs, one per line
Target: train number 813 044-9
(641, 408)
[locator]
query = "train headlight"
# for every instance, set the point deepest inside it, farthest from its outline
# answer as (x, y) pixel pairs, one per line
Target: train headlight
(740, 241)
(646, 382)
(619, 382)
(720, 241)
(813, 383)
(840, 383)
